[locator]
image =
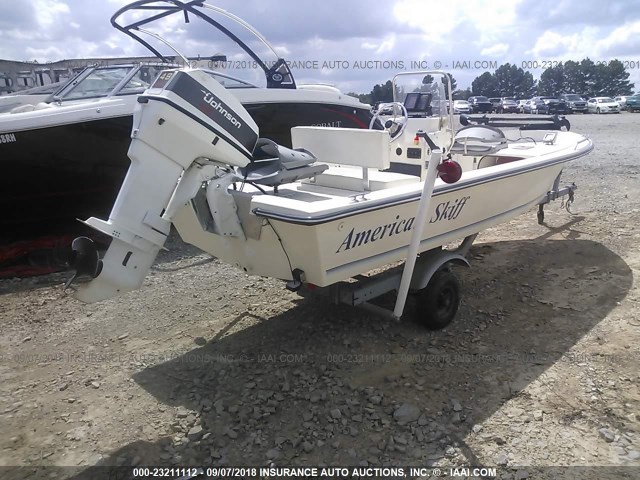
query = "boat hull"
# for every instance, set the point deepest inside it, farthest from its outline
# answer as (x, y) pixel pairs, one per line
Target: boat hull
(353, 244)
(275, 120)
(63, 171)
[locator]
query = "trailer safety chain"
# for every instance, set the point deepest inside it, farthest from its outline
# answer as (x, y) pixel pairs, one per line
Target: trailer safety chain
(567, 204)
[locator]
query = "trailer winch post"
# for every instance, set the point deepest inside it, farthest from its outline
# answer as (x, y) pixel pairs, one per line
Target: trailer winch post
(421, 222)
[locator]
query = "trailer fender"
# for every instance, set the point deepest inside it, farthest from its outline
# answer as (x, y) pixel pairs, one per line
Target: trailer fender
(430, 262)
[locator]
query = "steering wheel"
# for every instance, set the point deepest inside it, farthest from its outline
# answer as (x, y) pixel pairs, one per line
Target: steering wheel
(394, 125)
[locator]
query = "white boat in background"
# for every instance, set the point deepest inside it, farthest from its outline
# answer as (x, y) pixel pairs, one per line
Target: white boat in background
(45, 140)
(65, 155)
(339, 204)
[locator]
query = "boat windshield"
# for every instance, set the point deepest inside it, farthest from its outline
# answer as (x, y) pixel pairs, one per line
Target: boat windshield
(428, 92)
(229, 82)
(103, 81)
(141, 80)
(98, 83)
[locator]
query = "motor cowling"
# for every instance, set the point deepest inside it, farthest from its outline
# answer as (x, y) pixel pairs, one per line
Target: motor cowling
(187, 114)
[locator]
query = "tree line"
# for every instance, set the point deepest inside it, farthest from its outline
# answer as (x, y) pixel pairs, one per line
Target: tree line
(585, 78)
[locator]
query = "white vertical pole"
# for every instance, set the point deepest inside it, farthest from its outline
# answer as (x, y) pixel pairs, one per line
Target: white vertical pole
(421, 221)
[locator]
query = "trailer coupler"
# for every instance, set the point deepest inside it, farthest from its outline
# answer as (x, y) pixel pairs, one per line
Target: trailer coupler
(554, 194)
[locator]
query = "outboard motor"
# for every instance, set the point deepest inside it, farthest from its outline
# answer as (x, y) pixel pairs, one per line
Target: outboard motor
(185, 117)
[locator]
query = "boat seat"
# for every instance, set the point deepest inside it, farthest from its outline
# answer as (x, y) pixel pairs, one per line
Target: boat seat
(357, 158)
(478, 140)
(30, 107)
(351, 178)
(357, 147)
(274, 165)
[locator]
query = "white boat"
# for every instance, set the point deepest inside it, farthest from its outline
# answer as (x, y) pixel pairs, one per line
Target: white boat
(93, 113)
(339, 204)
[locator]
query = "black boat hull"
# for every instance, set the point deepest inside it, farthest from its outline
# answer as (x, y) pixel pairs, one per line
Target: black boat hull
(275, 120)
(60, 173)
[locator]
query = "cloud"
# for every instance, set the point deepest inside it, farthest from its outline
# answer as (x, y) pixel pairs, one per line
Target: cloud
(341, 31)
(552, 44)
(577, 13)
(16, 15)
(497, 50)
(50, 12)
(437, 18)
(305, 19)
(622, 41)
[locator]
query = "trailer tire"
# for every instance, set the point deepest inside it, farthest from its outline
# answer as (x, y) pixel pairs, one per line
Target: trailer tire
(437, 303)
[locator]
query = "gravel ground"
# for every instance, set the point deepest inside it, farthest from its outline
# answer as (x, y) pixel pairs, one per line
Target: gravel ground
(207, 366)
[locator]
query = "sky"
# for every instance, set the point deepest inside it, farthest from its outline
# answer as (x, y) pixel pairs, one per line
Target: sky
(352, 44)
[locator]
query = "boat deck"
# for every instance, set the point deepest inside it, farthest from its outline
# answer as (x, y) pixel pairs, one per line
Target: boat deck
(342, 192)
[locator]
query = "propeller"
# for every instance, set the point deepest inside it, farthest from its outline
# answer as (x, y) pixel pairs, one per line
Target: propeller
(84, 260)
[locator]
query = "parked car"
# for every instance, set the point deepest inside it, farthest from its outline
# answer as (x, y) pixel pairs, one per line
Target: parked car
(575, 103)
(480, 104)
(508, 105)
(529, 106)
(602, 105)
(461, 106)
(535, 104)
(633, 103)
(548, 106)
(521, 104)
(495, 104)
(622, 100)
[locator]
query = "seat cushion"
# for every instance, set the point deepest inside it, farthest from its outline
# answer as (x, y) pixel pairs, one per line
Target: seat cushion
(350, 178)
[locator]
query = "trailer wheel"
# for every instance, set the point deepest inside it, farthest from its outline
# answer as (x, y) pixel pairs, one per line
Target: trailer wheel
(437, 303)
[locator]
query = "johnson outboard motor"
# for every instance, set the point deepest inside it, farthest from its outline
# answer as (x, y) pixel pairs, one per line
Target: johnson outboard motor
(185, 118)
